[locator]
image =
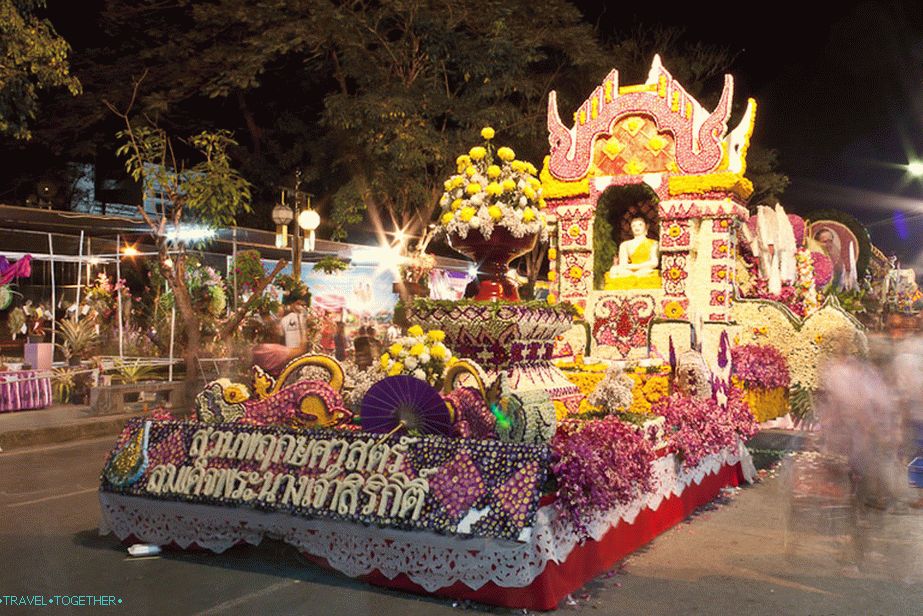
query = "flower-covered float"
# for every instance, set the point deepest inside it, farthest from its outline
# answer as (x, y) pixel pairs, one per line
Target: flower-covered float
(501, 451)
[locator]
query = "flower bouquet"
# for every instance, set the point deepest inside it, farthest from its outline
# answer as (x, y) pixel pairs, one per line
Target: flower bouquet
(419, 354)
(491, 212)
(761, 372)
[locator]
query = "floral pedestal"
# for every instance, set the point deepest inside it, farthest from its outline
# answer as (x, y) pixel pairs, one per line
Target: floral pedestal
(514, 339)
(493, 257)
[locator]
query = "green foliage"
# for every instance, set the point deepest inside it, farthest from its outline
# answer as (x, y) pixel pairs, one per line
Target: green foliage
(79, 337)
(32, 58)
(133, 372)
(331, 265)
(212, 190)
(249, 269)
(63, 384)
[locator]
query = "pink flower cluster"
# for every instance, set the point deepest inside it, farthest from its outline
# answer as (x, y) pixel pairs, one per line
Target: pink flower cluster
(760, 365)
(699, 427)
(599, 464)
(823, 269)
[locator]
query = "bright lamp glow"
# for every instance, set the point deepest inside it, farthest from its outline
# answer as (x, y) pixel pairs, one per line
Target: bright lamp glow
(190, 233)
(915, 168)
(309, 220)
(130, 251)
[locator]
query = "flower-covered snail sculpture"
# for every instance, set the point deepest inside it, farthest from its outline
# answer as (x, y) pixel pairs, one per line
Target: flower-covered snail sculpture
(303, 404)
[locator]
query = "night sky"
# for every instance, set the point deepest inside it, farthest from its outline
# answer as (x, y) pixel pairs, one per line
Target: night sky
(840, 94)
(838, 85)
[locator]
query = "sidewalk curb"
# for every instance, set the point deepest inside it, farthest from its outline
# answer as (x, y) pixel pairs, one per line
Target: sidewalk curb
(73, 431)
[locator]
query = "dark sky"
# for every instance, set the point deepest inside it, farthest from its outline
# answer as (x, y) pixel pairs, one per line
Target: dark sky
(839, 87)
(840, 94)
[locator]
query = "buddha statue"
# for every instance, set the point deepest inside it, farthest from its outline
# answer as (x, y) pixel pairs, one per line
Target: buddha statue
(636, 265)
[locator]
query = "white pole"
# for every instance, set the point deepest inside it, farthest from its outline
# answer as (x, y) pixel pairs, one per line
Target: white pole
(234, 263)
(172, 333)
(79, 271)
(118, 277)
(54, 294)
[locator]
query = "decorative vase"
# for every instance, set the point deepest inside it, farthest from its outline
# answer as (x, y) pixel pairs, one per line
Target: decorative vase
(493, 258)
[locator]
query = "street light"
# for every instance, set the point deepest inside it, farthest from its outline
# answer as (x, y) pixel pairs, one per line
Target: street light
(309, 220)
(282, 215)
(915, 168)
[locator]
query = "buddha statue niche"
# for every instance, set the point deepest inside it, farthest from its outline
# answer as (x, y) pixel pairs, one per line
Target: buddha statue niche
(636, 265)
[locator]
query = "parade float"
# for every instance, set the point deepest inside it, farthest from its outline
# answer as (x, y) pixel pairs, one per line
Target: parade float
(503, 451)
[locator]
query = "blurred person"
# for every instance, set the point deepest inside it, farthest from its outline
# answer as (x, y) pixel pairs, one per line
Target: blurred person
(339, 341)
(364, 351)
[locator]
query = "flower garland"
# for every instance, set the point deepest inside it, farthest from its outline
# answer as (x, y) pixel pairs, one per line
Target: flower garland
(486, 193)
(806, 282)
(698, 427)
(599, 464)
(419, 354)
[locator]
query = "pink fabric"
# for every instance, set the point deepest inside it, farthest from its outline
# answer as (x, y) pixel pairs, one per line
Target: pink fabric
(20, 269)
(24, 390)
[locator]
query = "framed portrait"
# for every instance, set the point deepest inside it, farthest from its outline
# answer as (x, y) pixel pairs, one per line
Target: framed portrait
(835, 238)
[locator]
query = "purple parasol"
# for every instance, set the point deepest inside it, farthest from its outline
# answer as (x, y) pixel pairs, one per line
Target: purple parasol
(405, 404)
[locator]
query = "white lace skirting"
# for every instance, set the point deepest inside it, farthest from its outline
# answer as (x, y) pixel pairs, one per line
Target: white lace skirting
(432, 561)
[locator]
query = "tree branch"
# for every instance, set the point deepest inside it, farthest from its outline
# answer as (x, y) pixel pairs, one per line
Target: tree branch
(234, 320)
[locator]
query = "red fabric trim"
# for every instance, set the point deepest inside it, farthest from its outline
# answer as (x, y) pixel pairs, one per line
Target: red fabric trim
(586, 561)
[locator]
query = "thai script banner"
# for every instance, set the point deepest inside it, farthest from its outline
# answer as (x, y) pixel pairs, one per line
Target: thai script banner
(462, 486)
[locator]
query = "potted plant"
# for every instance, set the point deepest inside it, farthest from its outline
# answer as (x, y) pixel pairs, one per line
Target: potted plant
(491, 212)
(129, 373)
(79, 338)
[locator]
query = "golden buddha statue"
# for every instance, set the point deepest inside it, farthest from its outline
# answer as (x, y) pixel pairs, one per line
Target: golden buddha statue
(636, 265)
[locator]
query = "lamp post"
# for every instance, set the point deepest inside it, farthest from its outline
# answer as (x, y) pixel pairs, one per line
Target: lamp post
(306, 219)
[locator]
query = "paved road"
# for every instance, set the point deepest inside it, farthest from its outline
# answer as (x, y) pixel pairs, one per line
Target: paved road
(760, 551)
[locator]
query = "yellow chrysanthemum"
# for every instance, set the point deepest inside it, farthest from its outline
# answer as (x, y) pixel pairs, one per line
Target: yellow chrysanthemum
(505, 153)
(463, 161)
(438, 351)
(529, 192)
(552, 276)
(493, 172)
(447, 218)
(470, 171)
(466, 214)
(477, 153)
(487, 133)
(395, 349)
(542, 204)
(385, 360)
(495, 212)
(508, 185)
(417, 349)
(552, 254)
(396, 369)
(494, 189)
(517, 165)
(457, 203)
(528, 215)
(530, 168)
(415, 330)
(436, 335)
(552, 299)
(448, 184)
(473, 188)
(534, 182)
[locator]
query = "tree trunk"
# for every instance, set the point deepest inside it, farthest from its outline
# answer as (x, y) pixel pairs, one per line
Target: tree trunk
(190, 323)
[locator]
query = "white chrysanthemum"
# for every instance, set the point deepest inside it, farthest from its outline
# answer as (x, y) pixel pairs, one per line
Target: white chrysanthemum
(410, 362)
(424, 358)
(419, 374)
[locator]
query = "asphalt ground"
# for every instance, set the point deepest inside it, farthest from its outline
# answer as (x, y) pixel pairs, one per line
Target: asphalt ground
(796, 542)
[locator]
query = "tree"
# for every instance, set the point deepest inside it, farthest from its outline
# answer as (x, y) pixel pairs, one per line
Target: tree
(32, 58)
(209, 191)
